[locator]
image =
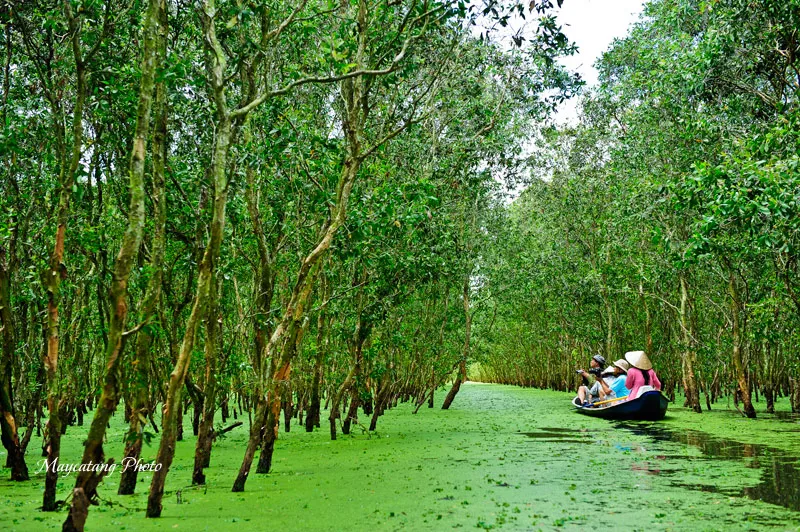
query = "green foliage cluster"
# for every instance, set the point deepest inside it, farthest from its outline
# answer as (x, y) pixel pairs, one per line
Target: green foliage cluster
(329, 171)
(666, 218)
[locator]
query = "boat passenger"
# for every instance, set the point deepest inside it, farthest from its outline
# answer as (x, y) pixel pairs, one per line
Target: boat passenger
(586, 394)
(641, 376)
(613, 381)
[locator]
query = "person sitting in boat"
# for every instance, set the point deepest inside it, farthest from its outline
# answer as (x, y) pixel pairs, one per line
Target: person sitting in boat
(641, 377)
(612, 385)
(614, 388)
(586, 394)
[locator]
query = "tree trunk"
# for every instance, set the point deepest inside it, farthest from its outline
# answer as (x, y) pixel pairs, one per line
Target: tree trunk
(289, 334)
(769, 396)
(15, 458)
(205, 433)
(87, 481)
(287, 407)
(8, 425)
(741, 376)
(314, 407)
(462, 365)
(460, 378)
(336, 401)
(166, 451)
(57, 269)
(380, 398)
(279, 386)
(256, 435)
(270, 434)
(352, 412)
(282, 344)
(179, 421)
(688, 351)
(313, 413)
(141, 407)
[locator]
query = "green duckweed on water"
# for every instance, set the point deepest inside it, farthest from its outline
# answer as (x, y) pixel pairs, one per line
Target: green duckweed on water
(501, 458)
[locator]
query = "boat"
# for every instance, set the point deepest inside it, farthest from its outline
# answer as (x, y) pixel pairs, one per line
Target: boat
(649, 406)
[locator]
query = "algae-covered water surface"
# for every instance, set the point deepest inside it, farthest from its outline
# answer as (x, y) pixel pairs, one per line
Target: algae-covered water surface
(501, 458)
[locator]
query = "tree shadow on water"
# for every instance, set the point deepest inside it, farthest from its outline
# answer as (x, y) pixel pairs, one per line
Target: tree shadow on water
(780, 475)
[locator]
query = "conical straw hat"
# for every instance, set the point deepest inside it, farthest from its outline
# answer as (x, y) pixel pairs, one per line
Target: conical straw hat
(638, 359)
(622, 364)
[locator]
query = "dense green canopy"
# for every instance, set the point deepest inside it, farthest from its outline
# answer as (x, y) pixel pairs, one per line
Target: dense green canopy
(666, 218)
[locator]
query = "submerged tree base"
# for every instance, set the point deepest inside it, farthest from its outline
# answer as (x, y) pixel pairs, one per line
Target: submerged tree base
(502, 457)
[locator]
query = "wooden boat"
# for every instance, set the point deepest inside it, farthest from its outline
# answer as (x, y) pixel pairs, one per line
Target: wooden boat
(649, 406)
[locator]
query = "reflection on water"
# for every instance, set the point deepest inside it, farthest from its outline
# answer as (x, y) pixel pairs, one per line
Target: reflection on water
(559, 435)
(780, 472)
(787, 416)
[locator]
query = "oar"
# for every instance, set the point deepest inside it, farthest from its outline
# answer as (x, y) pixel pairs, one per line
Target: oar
(610, 400)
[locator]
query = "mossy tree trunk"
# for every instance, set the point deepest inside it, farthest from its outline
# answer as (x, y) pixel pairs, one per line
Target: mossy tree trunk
(87, 481)
(462, 363)
(205, 436)
(57, 270)
(360, 334)
(144, 340)
(8, 422)
(688, 354)
(742, 383)
(215, 67)
(314, 407)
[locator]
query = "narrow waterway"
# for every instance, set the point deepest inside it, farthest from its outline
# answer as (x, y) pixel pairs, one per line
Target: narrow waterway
(502, 458)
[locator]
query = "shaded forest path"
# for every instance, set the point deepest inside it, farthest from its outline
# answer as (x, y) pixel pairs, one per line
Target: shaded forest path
(502, 457)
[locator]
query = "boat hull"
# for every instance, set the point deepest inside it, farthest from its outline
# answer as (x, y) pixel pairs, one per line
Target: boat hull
(650, 406)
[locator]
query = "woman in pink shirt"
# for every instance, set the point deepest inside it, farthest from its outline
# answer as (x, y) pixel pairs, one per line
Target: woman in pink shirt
(640, 374)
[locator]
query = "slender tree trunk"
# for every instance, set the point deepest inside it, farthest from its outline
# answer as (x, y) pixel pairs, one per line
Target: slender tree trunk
(257, 428)
(769, 396)
(349, 381)
(768, 374)
(289, 334)
(433, 389)
(313, 413)
(688, 351)
(287, 406)
(352, 411)
(283, 341)
(8, 424)
(283, 338)
(15, 458)
(87, 481)
(314, 407)
(266, 288)
(202, 455)
(57, 269)
(381, 398)
(144, 340)
(270, 433)
(462, 365)
(197, 397)
(166, 451)
(216, 67)
(279, 387)
(741, 375)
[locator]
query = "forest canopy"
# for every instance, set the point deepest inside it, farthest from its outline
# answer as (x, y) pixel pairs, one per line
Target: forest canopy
(666, 217)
